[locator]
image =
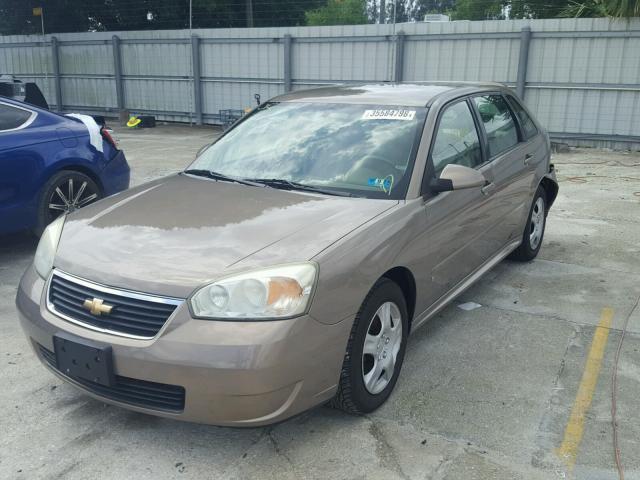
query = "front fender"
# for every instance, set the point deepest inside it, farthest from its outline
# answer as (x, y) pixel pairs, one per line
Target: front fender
(351, 266)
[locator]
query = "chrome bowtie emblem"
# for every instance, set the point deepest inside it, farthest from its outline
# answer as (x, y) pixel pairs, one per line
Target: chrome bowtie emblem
(96, 306)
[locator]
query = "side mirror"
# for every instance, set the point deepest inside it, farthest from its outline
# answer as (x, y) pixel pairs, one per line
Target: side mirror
(457, 177)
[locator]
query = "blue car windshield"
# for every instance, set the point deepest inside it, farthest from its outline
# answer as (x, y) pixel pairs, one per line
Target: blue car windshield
(364, 150)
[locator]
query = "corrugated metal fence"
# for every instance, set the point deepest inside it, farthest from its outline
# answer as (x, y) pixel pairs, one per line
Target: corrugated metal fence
(581, 77)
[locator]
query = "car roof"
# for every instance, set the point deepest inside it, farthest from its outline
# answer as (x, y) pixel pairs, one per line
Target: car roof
(387, 93)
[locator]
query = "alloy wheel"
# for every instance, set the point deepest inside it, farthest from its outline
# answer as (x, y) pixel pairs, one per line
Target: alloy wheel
(536, 223)
(381, 346)
(70, 195)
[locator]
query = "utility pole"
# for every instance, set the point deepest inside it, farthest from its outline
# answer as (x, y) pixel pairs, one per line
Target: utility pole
(190, 16)
(383, 12)
(249, 13)
(394, 16)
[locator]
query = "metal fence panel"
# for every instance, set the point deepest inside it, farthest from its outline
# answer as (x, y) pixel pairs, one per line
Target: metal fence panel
(94, 93)
(581, 77)
(155, 59)
(86, 59)
(25, 60)
(235, 95)
(170, 95)
(242, 60)
(341, 61)
(604, 112)
(459, 59)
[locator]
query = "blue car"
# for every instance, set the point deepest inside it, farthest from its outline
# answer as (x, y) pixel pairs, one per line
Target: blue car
(51, 164)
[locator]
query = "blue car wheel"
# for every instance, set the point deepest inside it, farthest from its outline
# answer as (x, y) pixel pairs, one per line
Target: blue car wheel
(65, 192)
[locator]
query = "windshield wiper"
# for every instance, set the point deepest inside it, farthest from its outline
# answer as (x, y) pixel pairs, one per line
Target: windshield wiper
(220, 177)
(289, 185)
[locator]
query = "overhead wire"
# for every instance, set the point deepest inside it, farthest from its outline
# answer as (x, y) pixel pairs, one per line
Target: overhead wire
(614, 394)
(228, 14)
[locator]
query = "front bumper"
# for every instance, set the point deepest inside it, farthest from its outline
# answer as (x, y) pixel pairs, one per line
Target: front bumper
(233, 373)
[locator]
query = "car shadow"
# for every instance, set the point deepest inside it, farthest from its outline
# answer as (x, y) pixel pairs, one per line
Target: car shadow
(16, 251)
(17, 243)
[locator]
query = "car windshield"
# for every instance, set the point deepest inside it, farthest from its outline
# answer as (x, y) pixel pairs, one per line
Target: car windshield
(361, 150)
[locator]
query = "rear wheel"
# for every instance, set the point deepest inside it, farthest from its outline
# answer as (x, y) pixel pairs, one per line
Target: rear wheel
(534, 229)
(375, 350)
(65, 192)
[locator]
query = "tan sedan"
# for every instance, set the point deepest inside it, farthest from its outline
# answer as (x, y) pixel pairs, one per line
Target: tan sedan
(286, 267)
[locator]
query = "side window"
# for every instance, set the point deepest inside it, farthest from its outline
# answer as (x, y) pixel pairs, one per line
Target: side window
(11, 117)
(456, 139)
(528, 127)
(498, 123)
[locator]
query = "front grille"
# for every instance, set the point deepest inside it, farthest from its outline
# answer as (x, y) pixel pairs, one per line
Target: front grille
(133, 314)
(139, 393)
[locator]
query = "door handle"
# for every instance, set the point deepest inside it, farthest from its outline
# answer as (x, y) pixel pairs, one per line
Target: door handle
(488, 189)
(527, 158)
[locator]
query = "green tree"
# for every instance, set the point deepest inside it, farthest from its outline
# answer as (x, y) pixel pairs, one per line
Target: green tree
(536, 8)
(408, 10)
(16, 16)
(603, 8)
(475, 10)
(110, 15)
(338, 12)
(420, 8)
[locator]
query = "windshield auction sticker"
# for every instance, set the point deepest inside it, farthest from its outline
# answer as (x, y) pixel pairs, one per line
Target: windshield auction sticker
(389, 114)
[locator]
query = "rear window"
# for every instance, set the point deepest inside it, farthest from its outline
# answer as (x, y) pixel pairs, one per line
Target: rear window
(528, 127)
(12, 117)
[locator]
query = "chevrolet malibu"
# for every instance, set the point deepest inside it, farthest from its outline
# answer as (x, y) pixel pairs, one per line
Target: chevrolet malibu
(287, 265)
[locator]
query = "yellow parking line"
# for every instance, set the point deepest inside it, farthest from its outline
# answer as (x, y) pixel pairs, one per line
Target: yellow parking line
(568, 450)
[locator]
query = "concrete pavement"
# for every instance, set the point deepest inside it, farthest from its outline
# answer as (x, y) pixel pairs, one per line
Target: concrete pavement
(483, 394)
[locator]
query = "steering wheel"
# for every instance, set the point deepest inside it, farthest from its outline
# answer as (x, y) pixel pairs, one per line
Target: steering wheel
(377, 160)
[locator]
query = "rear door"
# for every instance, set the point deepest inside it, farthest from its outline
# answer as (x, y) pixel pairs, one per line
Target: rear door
(534, 141)
(509, 169)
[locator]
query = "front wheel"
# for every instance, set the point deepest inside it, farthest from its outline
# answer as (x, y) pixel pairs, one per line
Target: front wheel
(375, 350)
(64, 192)
(534, 229)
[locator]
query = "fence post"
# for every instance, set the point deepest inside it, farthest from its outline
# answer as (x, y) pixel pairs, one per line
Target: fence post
(197, 86)
(286, 42)
(117, 74)
(399, 57)
(55, 60)
(523, 60)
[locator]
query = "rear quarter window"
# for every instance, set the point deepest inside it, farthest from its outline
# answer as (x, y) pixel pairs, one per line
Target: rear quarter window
(11, 117)
(529, 128)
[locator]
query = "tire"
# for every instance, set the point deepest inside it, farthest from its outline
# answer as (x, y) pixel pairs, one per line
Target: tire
(533, 230)
(69, 183)
(354, 395)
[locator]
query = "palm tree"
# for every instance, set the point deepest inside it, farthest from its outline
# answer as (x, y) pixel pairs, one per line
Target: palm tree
(603, 8)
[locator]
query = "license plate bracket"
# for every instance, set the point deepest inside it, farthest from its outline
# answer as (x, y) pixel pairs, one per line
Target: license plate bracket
(83, 359)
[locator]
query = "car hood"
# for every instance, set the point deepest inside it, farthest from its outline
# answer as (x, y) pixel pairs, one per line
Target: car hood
(174, 234)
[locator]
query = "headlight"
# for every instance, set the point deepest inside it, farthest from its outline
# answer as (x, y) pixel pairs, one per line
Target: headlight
(278, 292)
(43, 261)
